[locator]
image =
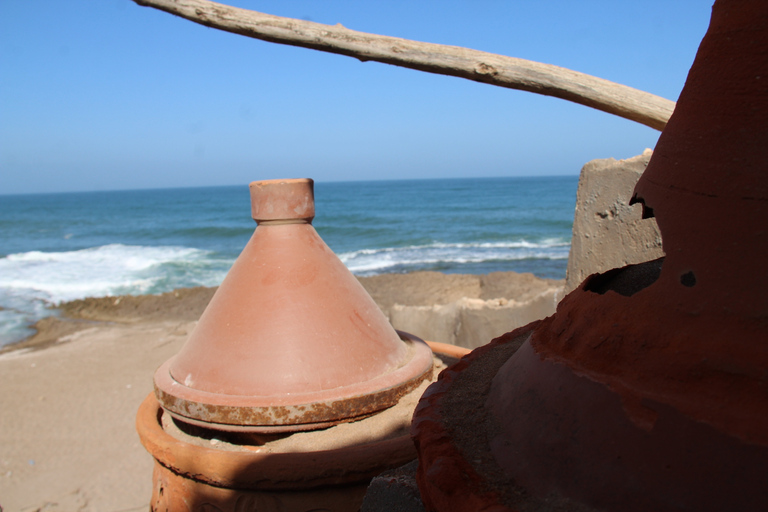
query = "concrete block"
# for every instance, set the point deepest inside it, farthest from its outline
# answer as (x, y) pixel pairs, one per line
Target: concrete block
(608, 232)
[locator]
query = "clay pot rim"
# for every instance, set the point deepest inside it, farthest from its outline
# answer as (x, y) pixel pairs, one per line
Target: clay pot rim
(254, 470)
(290, 470)
(298, 411)
(286, 200)
(287, 181)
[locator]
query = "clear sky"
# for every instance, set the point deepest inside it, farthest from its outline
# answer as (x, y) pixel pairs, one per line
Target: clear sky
(103, 95)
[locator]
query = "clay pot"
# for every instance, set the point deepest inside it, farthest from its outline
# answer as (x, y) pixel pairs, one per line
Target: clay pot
(291, 340)
(293, 390)
(218, 471)
(647, 389)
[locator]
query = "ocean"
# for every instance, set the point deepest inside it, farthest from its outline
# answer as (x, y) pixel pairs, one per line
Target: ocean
(61, 247)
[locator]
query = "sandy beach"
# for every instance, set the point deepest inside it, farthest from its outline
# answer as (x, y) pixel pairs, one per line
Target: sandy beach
(69, 394)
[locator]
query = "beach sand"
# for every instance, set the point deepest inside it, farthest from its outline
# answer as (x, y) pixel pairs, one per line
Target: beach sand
(69, 394)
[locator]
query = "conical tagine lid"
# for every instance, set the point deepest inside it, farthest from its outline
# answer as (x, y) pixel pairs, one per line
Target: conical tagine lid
(291, 340)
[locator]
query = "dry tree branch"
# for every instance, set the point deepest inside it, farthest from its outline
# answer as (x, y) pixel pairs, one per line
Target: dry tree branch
(499, 70)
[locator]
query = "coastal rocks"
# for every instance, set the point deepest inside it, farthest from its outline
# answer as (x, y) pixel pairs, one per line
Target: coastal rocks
(183, 304)
(608, 232)
(459, 309)
(49, 331)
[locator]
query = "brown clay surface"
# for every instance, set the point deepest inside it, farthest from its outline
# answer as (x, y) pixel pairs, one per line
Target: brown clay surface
(67, 435)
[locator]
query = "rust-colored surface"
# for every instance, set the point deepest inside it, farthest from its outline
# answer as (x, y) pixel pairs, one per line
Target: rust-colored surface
(648, 389)
(280, 414)
(290, 338)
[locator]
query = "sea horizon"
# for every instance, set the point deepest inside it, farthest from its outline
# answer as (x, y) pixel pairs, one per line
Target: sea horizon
(383, 180)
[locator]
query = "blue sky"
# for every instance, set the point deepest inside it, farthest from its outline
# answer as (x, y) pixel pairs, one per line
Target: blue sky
(104, 95)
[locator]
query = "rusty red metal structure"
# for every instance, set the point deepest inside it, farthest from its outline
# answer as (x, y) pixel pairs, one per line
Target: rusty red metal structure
(648, 389)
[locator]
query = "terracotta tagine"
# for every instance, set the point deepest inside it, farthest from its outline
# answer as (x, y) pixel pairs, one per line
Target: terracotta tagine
(648, 388)
(293, 389)
(291, 340)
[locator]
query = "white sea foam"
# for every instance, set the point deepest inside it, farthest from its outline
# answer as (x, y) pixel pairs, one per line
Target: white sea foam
(371, 261)
(95, 272)
(33, 281)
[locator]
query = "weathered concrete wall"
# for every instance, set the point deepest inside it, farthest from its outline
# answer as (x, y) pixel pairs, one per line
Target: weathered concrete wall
(472, 322)
(461, 309)
(607, 232)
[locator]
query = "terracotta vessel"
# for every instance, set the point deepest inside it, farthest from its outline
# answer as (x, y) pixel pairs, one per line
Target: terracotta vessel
(290, 344)
(291, 340)
(647, 390)
(203, 469)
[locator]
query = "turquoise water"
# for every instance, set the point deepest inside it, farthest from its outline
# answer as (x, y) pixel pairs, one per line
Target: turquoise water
(60, 247)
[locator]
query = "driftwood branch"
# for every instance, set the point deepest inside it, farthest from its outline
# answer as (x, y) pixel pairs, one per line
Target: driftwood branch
(499, 70)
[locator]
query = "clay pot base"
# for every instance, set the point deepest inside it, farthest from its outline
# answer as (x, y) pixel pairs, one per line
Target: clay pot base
(337, 456)
(172, 492)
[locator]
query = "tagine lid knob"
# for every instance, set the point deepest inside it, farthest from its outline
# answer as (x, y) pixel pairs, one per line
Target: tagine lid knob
(286, 199)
